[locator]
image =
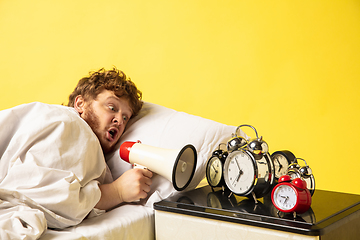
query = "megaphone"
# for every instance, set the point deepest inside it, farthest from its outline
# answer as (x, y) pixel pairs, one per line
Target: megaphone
(178, 166)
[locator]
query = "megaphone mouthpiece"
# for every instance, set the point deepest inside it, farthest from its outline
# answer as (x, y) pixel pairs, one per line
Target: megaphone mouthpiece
(125, 150)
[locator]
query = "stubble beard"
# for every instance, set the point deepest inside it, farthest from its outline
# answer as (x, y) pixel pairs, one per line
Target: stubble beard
(93, 121)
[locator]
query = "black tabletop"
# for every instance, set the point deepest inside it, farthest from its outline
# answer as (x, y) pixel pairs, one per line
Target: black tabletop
(327, 208)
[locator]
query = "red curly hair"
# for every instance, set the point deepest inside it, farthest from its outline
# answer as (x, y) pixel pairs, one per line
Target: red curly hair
(113, 80)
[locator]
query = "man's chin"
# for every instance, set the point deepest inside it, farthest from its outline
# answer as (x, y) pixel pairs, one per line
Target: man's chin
(107, 148)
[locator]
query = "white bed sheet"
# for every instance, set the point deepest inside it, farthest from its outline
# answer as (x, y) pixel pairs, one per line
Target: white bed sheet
(129, 221)
(160, 127)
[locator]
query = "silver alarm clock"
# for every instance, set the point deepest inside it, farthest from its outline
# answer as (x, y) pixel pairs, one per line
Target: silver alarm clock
(303, 172)
(248, 169)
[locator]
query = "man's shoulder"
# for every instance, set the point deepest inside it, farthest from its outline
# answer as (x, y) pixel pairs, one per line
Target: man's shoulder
(43, 113)
(37, 106)
(44, 109)
(64, 114)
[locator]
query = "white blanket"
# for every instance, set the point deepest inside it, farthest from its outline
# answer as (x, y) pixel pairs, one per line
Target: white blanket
(50, 166)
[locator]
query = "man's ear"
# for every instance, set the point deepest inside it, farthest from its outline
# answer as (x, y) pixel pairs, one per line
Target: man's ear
(79, 104)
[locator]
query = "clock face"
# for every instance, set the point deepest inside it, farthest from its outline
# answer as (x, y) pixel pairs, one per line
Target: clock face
(282, 160)
(281, 165)
(239, 172)
(285, 197)
(214, 171)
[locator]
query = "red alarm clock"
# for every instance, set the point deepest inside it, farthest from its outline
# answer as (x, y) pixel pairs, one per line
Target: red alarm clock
(291, 196)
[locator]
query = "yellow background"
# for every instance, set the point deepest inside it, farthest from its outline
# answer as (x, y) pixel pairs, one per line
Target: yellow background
(289, 68)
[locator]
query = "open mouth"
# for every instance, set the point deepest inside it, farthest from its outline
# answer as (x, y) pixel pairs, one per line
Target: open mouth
(112, 133)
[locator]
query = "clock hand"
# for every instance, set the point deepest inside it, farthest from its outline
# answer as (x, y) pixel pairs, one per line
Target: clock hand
(216, 171)
(238, 176)
(286, 198)
(240, 172)
(237, 164)
(236, 179)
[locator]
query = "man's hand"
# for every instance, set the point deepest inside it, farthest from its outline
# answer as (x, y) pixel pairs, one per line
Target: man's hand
(133, 185)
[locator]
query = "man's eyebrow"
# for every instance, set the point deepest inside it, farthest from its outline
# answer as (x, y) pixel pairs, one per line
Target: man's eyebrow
(113, 97)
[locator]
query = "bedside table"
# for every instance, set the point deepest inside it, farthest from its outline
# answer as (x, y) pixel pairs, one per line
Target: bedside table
(206, 214)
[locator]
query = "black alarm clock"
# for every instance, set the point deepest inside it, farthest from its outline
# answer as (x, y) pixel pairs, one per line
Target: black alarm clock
(214, 168)
(282, 160)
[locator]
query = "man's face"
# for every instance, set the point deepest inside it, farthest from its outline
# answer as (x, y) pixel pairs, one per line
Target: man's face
(107, 116)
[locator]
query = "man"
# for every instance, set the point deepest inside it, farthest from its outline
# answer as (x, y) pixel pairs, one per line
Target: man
(52, 167)
(106, 101)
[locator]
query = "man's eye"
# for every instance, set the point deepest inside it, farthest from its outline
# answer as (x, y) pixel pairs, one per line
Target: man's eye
(112, 108)
(125, 118)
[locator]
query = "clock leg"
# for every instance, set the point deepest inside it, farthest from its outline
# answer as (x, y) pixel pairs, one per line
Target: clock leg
(254, 196)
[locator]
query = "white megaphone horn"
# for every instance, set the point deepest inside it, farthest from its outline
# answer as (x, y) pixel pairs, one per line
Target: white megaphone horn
(178, 166)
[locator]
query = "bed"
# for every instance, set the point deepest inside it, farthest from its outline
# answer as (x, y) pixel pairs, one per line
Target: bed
(157, 126)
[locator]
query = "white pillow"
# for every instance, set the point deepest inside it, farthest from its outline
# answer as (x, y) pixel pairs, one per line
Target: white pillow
(162, 127)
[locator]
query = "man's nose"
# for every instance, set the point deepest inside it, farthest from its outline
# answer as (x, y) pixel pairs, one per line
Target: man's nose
(118, 119)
